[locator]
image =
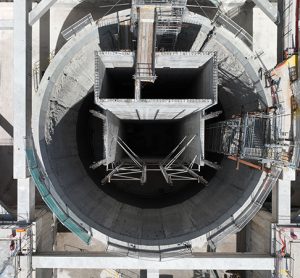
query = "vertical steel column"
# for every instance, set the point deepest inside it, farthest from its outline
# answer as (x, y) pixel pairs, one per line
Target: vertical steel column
(22, 107)
(281, 202)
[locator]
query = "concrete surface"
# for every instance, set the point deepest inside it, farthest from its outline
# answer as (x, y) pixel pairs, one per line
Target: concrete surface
(295, 254)
(209, 261)
(265, 35)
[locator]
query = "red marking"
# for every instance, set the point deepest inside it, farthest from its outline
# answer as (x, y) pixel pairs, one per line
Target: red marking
(283, 248)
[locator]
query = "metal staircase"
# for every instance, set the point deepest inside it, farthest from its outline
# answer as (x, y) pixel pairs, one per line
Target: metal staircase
(253, 136)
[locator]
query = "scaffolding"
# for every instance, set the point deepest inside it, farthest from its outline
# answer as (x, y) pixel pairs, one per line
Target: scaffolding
(156, 23)
(169, 23)
(21, 243)
(253, 136)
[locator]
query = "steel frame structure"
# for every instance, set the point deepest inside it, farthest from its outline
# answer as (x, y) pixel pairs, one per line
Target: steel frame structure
(132, 170)
(251, 136)
(173, 167)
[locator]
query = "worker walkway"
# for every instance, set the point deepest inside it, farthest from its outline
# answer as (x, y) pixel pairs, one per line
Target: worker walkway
(145, 56)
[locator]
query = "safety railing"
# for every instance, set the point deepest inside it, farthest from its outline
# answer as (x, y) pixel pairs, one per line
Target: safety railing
(155, 253)
(160, 2)
(225, 21)
(151, 2)
(44, 186)
(77, 26)
(237, 223)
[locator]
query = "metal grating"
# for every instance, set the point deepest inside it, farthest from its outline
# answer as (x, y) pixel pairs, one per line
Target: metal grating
(223, 137)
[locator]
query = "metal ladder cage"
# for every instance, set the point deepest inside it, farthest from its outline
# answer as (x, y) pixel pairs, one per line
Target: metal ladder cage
(257, 132)
(223, 137)
(263, 139)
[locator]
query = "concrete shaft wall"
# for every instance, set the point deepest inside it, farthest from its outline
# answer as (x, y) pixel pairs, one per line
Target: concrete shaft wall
(67, 81)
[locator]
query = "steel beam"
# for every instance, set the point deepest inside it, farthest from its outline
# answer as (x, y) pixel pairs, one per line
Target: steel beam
(39, 10)
(269, 9)
(195, 175)
(98, 164)
(166, 176)
(6, 24)
(212, 164)
(217, 261)
(200, 39)
(98, 115)
(144, 175)
(212, 115)
(108, 177)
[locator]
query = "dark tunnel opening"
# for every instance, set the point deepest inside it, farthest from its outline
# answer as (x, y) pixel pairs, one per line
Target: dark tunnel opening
(150, 138)
(155, 193)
